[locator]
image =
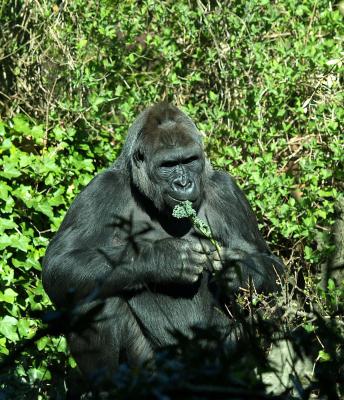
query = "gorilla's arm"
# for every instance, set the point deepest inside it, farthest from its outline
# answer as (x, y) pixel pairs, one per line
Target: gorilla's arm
(244, 253)
(83, 256)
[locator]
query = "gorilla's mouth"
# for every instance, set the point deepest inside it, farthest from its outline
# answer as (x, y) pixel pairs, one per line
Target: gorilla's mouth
(182, 198)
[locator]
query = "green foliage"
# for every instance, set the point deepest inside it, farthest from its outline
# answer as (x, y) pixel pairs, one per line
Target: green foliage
(40, 173)
(261, 79)
(185, 210)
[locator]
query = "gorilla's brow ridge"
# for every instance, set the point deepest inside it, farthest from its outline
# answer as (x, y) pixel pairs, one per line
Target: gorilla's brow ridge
(169, 124)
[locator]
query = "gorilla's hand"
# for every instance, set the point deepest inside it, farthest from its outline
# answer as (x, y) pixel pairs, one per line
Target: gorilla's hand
(179, 261)
(190, 260)
(227, 263)
(199, 256)
(239, 268)
(224, 257)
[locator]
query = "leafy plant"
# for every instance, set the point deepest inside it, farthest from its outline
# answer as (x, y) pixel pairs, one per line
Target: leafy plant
(185, 210)
(262, 80)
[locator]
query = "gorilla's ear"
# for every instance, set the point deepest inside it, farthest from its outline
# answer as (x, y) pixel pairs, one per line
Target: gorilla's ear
(138, 157)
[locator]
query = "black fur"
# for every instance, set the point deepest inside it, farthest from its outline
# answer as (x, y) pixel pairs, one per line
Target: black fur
(120, 244)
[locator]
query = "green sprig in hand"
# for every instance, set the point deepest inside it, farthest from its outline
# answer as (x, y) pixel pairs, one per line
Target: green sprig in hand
(185, 210)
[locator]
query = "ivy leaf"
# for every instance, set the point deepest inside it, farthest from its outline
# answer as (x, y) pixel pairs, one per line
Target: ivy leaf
(46, 209)
(24, 328)
(2, 128)
(39, 374)
(8, 296)
(3, 348)
(37, 132)
(8, 327)
(4, 189)
(42, 343)
(10, 170)
(331, 285)
(21, 125)
(16, 240)
(6, 224)
(5, 241)
(323, 356)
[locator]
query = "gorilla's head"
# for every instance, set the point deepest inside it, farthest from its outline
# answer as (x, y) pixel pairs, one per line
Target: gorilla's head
(167, 158)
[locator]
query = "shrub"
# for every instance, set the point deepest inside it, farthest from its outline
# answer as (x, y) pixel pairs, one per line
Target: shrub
(262, 81)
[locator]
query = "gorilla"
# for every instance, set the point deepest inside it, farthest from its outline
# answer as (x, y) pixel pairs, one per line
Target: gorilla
(153, 273)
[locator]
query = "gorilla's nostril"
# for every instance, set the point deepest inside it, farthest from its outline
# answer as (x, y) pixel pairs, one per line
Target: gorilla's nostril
(181, 184)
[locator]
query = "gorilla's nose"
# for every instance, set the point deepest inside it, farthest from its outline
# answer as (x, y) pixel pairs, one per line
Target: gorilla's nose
(184, 185)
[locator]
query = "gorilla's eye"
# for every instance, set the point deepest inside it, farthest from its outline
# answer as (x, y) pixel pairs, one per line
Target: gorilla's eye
(168, 164)
(190, 160)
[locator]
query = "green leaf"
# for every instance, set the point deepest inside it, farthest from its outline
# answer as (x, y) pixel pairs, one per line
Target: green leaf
(321, 213)
(39, 374)
(184, 210)
(59, 133)
(20, 242)
(2, 128)
(4, 189)
(10, 170)
(21, 125)
(309, 327)
(24, 328)
(331, 286)
(8, 296)
(308, 253)
(119, 90)
(6, 224)
(3, 348)
(62, 345)
(37, 132)
(213, 96)
(46, 209)
(6, 144)
(8, 327)
(82, 43)
(43, 342)
(5, 241)
(72, 362)
(323, 356)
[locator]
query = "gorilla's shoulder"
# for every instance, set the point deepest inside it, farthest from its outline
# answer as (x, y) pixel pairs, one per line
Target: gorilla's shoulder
(109, 180)
(223, 181)
(108, 187)
(227, 191)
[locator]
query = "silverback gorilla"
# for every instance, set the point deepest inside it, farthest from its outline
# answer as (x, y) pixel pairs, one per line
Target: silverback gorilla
(119, 244)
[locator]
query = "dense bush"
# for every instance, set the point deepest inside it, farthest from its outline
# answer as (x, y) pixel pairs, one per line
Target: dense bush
(261, 79)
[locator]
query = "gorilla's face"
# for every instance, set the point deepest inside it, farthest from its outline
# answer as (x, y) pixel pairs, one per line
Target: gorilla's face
(169, 166)
(178, 172)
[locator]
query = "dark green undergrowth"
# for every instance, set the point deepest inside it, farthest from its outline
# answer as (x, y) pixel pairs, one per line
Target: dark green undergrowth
(262, 80)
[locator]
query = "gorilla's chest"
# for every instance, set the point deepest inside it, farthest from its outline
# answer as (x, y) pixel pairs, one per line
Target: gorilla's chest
(163, 313)
(140, 226)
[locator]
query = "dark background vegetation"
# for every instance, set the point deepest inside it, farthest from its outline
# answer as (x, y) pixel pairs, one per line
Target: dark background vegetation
(263, 82)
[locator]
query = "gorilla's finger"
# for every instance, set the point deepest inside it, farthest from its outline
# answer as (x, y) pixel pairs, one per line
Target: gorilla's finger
(217, 265)
(199, 258)
(203, 247)
(218, 255)
(226, 254)
(198, 269)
